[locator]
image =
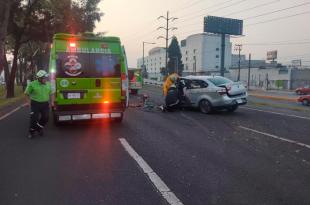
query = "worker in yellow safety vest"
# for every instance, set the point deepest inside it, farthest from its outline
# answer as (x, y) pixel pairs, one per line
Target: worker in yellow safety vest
(171, 79)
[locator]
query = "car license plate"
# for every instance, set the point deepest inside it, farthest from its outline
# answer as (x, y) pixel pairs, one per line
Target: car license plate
(74, 95)
(239, 101)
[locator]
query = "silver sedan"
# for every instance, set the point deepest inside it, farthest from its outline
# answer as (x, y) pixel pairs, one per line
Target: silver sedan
(214, 92)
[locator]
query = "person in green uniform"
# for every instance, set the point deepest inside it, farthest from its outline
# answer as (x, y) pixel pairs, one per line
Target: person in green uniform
(39, 93)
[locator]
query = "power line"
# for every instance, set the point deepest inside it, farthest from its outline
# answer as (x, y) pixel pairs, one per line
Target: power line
(277, 19)
(252, 8)
(186, 7)
(142, 35)
(267, 21)
(218, 9)
(212, 6)
(283, 41)
(275, 44)
(277, 11)
(133, 35)
(266, 4)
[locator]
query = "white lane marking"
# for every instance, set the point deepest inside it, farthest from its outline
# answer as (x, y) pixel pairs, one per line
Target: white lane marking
(276, 113)
(11, 112)
(276, 137)
(155, 179)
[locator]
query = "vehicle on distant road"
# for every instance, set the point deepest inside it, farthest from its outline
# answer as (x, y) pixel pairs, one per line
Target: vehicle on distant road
(305, 100)
(303, 90)
(210, 93)
(135, 80)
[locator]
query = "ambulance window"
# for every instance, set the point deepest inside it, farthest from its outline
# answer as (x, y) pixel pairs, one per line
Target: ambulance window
(105, 65)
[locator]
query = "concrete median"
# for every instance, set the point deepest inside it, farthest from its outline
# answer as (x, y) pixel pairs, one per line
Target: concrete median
(273, 97)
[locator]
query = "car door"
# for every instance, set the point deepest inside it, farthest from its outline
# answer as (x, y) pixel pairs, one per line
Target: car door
(196, 89)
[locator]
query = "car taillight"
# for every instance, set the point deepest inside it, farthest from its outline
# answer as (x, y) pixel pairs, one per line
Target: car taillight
(228, 87)
(124, 85)
(106, 102)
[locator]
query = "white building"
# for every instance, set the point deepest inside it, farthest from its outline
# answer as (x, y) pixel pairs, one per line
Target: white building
(153, 62)
(201, 53)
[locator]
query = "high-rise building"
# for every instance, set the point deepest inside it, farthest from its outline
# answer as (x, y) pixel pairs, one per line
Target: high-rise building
(201, 54)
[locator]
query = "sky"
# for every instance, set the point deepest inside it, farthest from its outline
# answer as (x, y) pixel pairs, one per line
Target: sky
(281, 25)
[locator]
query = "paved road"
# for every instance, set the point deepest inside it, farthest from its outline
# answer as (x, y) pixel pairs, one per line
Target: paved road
(252, 156)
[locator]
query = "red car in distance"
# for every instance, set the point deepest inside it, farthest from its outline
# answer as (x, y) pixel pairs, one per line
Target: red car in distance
(305, 100)
(303, 90)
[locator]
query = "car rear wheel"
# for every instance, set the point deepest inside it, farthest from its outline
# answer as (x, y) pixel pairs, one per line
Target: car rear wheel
(306, 102)
(205, 106)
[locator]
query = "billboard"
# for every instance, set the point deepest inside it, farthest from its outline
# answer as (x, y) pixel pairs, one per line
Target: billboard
(272, 55)
(220, 25)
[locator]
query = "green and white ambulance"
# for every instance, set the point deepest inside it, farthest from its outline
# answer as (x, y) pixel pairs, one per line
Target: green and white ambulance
(90, 77)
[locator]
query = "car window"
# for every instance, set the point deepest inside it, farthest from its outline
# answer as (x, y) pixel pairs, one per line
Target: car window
(186, 82)
(197, 84)
(219, 81)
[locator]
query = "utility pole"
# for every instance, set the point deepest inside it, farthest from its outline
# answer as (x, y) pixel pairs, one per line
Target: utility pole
(238, 47)
(223, 54)
(167, 19)
(249, 72)
(195, 66)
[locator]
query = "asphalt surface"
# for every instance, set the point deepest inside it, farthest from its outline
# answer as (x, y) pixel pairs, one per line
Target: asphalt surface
(203, 159)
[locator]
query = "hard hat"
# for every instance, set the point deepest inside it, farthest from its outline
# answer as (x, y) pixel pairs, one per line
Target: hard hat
(42, 74)
(173, 77)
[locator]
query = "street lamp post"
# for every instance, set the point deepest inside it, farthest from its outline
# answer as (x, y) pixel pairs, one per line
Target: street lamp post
(143, 65)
